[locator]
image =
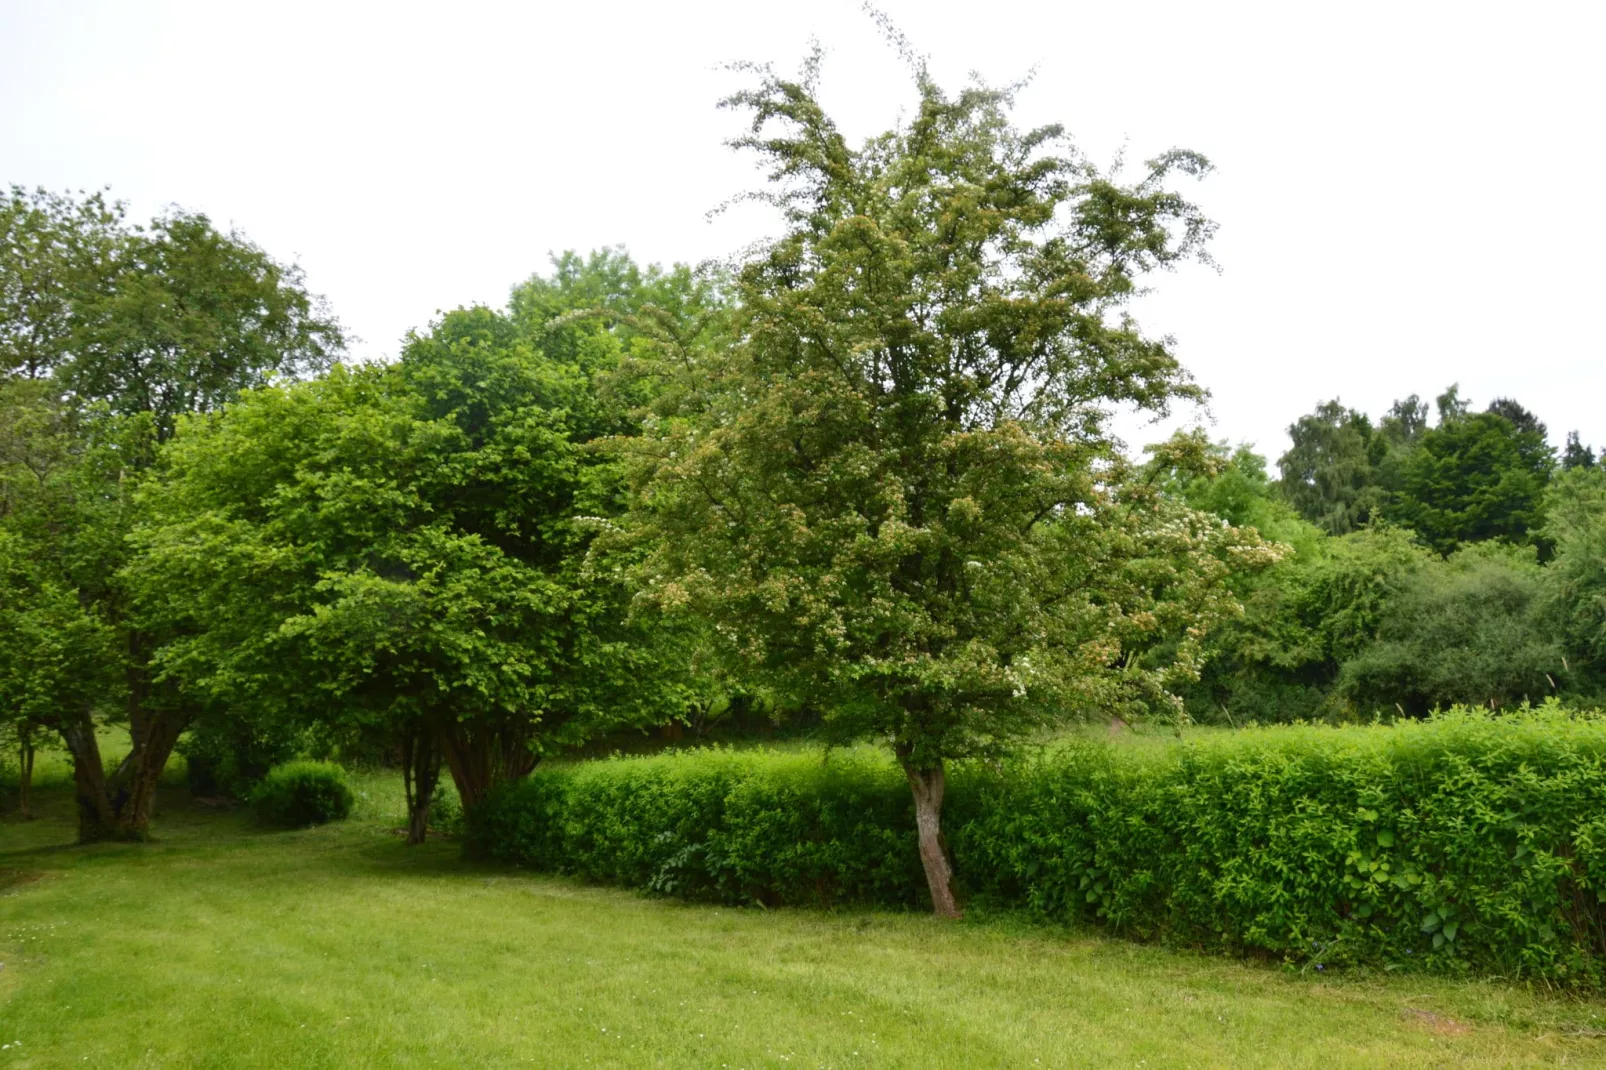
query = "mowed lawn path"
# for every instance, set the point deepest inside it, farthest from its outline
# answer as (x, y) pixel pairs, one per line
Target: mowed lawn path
(224, 945)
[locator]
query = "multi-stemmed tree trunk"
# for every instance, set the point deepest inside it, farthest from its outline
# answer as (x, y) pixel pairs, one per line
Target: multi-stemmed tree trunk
(483, 756)
(421, 772)
(119, 806)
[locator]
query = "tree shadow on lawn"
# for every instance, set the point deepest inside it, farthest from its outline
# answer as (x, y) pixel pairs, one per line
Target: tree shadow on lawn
(186, 826)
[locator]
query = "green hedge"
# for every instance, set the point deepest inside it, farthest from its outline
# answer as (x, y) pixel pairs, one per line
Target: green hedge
(302, 793)
(1461, 843)
(728, 826)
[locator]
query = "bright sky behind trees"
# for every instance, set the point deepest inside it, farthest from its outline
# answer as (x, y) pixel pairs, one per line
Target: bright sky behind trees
(1406, 193)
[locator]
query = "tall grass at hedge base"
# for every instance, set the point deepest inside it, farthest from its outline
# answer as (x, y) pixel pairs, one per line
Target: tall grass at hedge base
(302, 793)
(1466, 843)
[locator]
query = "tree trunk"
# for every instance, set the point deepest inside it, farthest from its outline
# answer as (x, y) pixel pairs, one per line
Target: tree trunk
(482, 757)
(119, 807)
(96, 821)
(25, 752)
(928, 786)
(421, 771)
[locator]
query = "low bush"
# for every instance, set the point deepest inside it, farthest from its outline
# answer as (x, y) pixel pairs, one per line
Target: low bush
(1463, 843)
(299, 794)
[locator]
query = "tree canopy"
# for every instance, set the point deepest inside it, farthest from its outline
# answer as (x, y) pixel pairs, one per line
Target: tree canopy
(896, 495)
(410, 544)
(110, 334)
(1475, 477)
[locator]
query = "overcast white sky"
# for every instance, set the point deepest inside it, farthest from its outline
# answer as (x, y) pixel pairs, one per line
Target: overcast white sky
(1409, 193)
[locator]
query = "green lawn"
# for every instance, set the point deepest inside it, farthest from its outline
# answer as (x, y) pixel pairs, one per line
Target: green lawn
(223, 945)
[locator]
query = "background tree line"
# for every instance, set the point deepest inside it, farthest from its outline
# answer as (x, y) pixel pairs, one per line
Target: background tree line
(1436, 561)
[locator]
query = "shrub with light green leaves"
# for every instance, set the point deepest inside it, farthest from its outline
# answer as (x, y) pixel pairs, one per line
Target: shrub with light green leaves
(301, 794)
(1463, 843)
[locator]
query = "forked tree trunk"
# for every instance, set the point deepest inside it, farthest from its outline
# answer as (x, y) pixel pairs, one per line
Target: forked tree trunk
(421, 772)
(928, 786)
(482, 757)
(25, 752)
(119, 807)
(95, 817)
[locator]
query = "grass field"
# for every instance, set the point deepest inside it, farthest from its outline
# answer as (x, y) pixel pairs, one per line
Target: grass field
(223, 945)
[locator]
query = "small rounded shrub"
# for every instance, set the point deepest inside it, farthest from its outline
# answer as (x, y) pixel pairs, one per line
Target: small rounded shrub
(299, 794)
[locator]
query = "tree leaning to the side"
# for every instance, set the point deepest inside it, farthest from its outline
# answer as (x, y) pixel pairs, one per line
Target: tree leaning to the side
(896, 495)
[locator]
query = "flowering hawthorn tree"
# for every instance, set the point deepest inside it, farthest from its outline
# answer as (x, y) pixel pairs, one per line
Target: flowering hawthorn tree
(895, 494)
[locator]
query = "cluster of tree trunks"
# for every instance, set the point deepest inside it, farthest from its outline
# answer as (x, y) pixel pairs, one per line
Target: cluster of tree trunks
(119, 806)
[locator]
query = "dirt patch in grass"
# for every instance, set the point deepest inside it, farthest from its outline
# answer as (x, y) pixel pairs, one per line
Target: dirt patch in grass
(16, 878)
(1437, 1024)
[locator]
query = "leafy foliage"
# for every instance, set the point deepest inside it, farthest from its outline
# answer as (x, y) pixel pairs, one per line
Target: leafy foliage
(109, 334)
(161, 320)
(300, 794)
(1330, 473)
(410, 545)
(1469, 630)
(1576, 454)
(1472, 478)
(229, 755)
(895, 496)
(55, 250)
(1466, 842)
(733, 827)
(1303, 620)
(1576, 577)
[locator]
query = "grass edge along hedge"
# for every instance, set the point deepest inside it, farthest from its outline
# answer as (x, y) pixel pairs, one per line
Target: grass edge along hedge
(1465, 843)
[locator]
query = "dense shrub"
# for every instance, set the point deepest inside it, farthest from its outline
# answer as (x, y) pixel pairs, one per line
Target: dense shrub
(1466, 630)
(298, 794)
(230, 755)
(728, 826)
(1467, 842)
(1462, 842)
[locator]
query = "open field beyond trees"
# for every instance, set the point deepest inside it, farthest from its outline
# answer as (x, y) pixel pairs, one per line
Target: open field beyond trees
(221, 944)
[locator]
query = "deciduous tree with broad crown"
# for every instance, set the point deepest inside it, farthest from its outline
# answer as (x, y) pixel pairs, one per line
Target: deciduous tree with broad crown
(896, 495)
(404, 549)
(109, 334)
